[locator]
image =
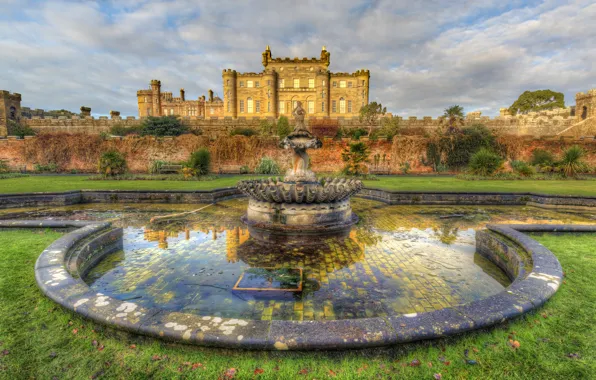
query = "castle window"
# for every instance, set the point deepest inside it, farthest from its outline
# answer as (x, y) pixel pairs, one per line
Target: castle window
(349, 106)
(342, 84)
(268, 106)
(241, 83)
(311, 83)
(145, 99)
(227, 82)
(333, 106)
(249, 105)
(281, 83)
(211, 110)
(257, 84)
(334, 84)
(13, 113)
(323, 107)
(282, 107)
(342, 105)
(363, 82)
(269, 82)
(171, 111)
(242, 106)
(584, 112)
(228, 106)
(296, 83)
(349, 84)
(249, 84)
(323, 82)
(257, 106)
(311, 106)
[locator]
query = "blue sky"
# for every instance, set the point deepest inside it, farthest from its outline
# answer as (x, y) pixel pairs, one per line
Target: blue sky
(423, 55)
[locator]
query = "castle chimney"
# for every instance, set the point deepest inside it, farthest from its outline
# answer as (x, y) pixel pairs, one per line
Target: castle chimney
(182, 94)
(210, 95)
(85, 111)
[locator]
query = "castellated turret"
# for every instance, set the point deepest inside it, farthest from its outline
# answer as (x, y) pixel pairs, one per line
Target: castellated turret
(229, 77)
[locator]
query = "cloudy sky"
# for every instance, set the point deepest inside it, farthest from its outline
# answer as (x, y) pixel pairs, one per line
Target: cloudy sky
(423, 55)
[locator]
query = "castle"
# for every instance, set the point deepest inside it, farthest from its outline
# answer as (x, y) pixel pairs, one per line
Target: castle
(271, 93)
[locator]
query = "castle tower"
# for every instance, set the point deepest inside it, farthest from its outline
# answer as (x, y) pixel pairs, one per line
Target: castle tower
(10, 109)
(266, 56)
(156, 97)
(182, 98)
(323, 93)
(363, 77)
(585, 105)
(270, 93)
(229, 86)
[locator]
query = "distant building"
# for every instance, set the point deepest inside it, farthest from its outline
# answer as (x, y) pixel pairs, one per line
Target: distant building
(270, 93)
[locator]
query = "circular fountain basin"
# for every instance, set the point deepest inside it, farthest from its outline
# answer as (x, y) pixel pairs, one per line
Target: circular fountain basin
(403, 273)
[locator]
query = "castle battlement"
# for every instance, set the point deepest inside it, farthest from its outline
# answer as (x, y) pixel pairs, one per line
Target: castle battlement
(584, 95)
(15, 97)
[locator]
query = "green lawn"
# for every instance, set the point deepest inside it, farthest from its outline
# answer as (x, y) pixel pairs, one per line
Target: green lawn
(64, 183)
(38, 339)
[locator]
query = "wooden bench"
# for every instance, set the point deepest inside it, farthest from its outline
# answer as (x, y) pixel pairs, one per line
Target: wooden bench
(230, 169)
(170, 169)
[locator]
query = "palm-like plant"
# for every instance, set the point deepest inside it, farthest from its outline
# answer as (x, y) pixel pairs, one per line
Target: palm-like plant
(572, 163)
(454, 117)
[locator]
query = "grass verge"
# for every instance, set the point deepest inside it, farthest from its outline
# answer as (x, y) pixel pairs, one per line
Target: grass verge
(396, 183)
(39, 339)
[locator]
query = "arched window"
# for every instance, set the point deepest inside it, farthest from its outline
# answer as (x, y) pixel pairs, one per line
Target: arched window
(13, 113)
(584, 112)
(148, 111)
(249, 105)
(342, 105)
(171, 111)
(311, 106)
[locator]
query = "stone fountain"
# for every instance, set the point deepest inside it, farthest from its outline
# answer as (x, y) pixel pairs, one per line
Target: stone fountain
(286, 210)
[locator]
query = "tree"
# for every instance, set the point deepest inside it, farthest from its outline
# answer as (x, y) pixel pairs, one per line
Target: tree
(163, 126)
(355, 156)
(371, 113)
(453, 117)
(540, 100)
(283, 127)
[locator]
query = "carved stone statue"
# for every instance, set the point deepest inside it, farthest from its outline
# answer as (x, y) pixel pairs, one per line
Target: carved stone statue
(300, 140)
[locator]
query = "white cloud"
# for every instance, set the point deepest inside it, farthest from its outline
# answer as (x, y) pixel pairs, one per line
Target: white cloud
(423, 56)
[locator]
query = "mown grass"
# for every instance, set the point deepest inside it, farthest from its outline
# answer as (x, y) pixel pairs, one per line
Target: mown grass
(397, 183)
(38, 339)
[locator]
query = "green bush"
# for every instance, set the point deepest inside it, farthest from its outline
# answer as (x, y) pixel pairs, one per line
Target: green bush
(267, 127)
(485, 163)
(244, 169)
(267, 166)
(356, 157)
(541, 157)
(522, 168)
(360, 132)
(111, 163)
(283, 127)
(458, 148)
(199, 161)
(19, 130)
(155, 166)
(404, 167)
(572, 164)
(243, 132)
(4, 166)
(48, 168)
(163, 126)
(121, 130)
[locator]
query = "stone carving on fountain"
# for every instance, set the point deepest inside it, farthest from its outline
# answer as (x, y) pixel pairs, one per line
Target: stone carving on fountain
(299, 203)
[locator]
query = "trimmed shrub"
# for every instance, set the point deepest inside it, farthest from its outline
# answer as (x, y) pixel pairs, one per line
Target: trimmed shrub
(541, 157)
(199, 161)
(4, 166)
(522, 168)
(572, 164)
(244, 169)
(355, 156)
(48, 168)
(121, 130)
(485, 163)
(243, 132)
(111, 163)
(267, 166)
(163, 126)
(283, 127)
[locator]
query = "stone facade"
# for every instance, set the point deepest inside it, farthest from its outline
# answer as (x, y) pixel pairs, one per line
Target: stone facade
(285, 81)
(10, 109)
(154, 102)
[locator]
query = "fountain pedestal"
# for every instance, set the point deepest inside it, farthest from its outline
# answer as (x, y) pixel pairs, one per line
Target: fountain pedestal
(299, 204)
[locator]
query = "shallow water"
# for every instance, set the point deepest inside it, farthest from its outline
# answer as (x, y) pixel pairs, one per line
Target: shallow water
(396, 260)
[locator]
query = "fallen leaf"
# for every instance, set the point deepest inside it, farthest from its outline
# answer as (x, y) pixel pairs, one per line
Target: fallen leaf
(196, 365)
(430, 365)
(155, 358)
(100, 348)
(446, 362)
(303, 371)
(70, 323)
(475, 349)
(75, 331)
(544, 315)
(331, 373)
(259, 371)
(415, 363)
(230, 373)
(437, 376)
(514, 344)
(133, 346)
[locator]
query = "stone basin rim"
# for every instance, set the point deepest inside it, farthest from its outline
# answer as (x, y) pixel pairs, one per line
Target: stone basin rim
(524, 294)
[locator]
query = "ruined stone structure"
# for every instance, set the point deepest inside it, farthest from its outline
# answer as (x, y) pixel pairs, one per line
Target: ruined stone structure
(285, 81)
(10, 109)
(154, 102)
